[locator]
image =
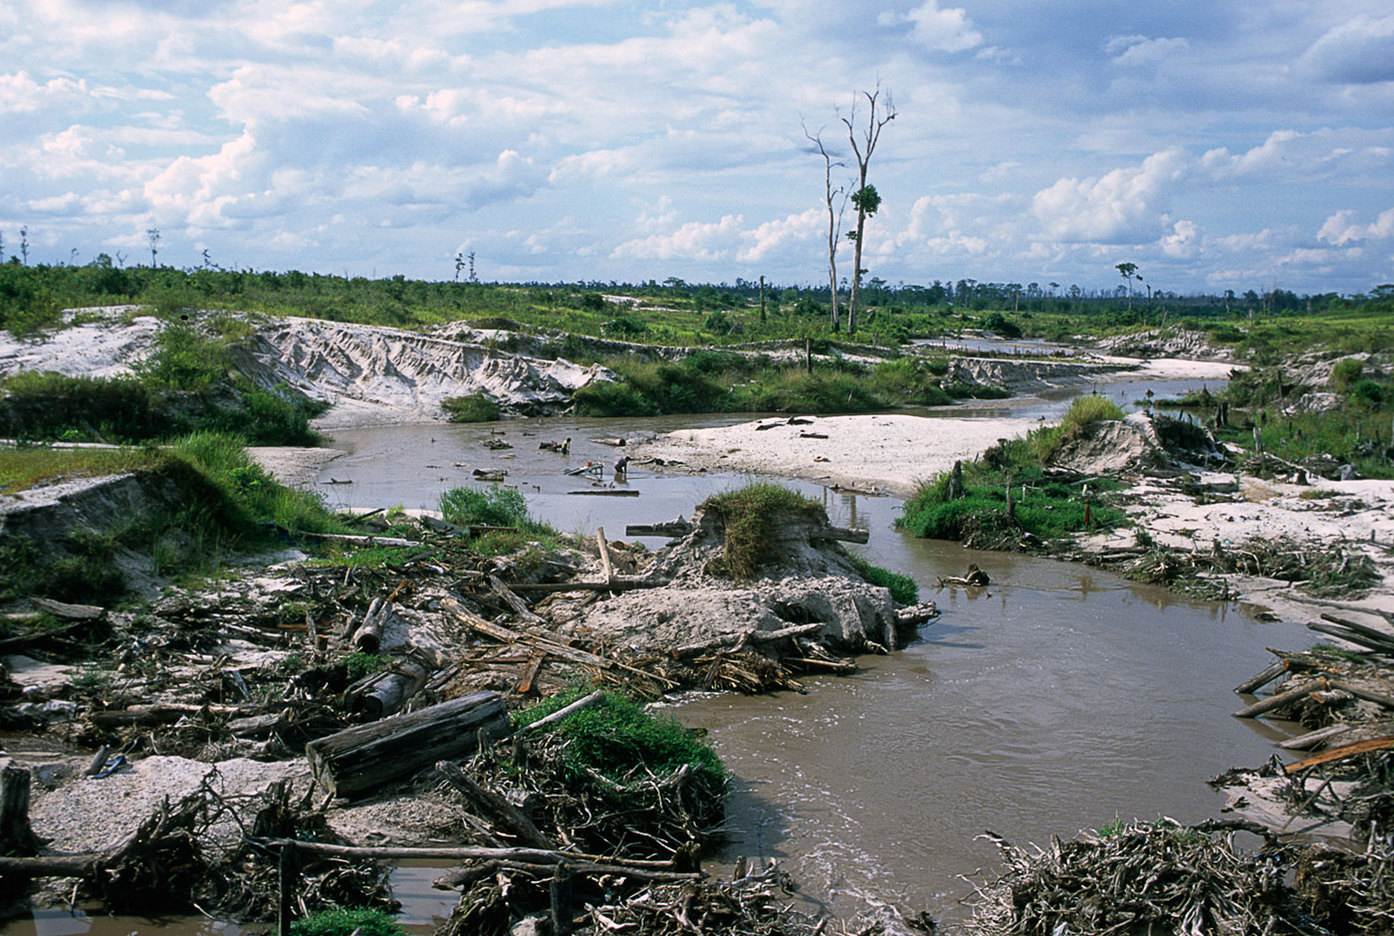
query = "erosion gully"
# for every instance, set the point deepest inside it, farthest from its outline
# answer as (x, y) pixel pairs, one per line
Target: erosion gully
(1058, 699)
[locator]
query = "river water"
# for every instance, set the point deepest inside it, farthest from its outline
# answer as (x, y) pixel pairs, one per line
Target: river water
(1058, 699)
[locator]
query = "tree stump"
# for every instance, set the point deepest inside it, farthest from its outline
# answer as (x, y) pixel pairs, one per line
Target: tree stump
(17, 838)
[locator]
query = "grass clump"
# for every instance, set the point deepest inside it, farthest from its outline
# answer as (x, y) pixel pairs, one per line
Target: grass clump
(981, 515)
(472, 408)
(1086, 410)
(498, 507)
(746, 516)
(903, 588)
(619, 740)
(343, 921)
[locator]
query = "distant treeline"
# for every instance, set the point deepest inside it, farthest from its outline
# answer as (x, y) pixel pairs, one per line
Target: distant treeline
(32, 297)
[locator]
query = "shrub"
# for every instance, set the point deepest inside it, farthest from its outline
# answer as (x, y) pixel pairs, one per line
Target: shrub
(1345, 373)
(999, 324)
(471, 408)
(612, 398)
(498, 506)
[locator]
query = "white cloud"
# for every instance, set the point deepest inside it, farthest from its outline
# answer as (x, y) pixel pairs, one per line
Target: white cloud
(771, 236)
(1125, 206)
(694, 241)
(1138, 51)
(1342, 228)
(21, 94)
(1359, 51)
(943, 30)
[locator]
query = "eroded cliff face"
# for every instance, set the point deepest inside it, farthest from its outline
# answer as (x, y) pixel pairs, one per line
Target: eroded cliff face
(371, 374)
(1025, 375)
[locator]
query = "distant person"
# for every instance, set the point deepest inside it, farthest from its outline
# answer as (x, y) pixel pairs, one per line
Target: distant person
(622, 467)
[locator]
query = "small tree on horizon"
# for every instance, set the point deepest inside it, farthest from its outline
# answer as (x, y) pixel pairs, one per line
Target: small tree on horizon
(1128, 271)
(835, 210)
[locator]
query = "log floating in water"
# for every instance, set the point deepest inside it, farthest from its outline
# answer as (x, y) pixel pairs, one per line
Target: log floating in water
(1259, 680)
(608, 492)
(360, 759)
(1280, 699)
(672, 528)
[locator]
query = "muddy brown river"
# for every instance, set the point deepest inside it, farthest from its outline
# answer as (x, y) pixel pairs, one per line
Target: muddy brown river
(1058, 699)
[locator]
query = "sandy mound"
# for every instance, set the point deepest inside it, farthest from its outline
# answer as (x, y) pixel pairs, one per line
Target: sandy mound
(1138, 443)
(808, 582)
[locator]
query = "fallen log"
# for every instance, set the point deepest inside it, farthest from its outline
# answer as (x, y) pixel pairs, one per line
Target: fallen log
(843, 534)
(23, 869)
(1311, 739)
(1280, 699)
(363, 758)
(367, 540)
(388, 691)
(70, 612)
(1354, 633)
(1341, 753)
(672, 528)
(1259, 680)
(497, 809)
(164, 713)
(608, 492)
(1361, 692)
(367, 636)
(618, 583)
(576, 862)
(518, 605)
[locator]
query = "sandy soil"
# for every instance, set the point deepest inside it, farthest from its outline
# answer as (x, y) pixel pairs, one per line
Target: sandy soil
(295, 467)
(892, 452)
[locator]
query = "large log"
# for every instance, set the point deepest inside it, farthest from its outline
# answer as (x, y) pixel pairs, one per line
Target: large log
(360, 759)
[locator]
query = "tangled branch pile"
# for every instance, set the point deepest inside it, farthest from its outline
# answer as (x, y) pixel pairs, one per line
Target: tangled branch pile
(1162, 877)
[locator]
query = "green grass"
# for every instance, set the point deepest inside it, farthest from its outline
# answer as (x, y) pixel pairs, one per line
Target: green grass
(209, 503)
(619, 740)
(746, 514)
(343, 921)
(499, 507)
(903, 588)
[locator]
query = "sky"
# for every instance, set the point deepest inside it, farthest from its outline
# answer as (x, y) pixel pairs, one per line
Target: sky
(1216, 144)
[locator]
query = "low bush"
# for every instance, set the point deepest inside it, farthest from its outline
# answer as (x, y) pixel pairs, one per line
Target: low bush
(494, 506)
(472, 408)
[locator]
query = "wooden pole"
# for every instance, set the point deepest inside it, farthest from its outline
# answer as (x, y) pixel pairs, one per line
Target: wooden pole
(288, 871)
(560, 893)
(604, 547)
(16, 836)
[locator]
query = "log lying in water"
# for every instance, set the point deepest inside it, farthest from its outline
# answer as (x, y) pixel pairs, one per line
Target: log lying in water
(681, 527)
(360, 759)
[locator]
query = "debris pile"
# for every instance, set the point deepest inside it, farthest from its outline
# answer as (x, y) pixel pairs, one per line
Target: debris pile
(1164, 877)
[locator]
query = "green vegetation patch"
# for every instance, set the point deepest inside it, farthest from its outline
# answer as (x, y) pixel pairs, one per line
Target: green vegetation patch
(746, 515)
(472, 408)
(345, 921)
(903, 588)
(498, 507)
(620, 741)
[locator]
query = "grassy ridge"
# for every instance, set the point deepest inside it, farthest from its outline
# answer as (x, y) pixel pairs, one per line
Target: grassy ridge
(227, 505)
(982, 515)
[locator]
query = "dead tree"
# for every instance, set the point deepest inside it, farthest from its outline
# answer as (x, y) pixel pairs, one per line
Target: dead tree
(865, 199)
(835, 200)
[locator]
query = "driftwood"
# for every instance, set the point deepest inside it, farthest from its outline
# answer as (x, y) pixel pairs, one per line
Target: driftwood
(1355, 633)
(165, 713)
(70, 612)
(618, 583)
(366, 757)
(582, 703)
(497, 809)
(1259, 680)
(354, 538)
(1311, 739)
(605, 565)
(367, 636)
(387, 692)
(518, 605)
(577, 863)
(607, 492)
(1280, 699)
(672, 528)
(1341, 753)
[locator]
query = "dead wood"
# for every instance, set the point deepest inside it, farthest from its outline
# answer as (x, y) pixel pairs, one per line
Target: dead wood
(357, 760)
(496, 808)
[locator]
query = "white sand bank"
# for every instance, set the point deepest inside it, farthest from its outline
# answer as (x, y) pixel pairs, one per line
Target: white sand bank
(894, 452)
